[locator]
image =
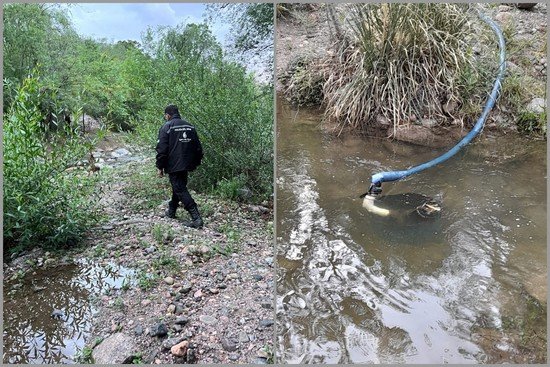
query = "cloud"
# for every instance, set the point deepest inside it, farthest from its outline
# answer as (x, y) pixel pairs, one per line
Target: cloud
(116, 22)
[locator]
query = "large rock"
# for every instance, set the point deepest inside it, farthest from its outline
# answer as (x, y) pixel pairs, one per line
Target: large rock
(116, 349)
(180, 349)
(537, 105)
(526, 6)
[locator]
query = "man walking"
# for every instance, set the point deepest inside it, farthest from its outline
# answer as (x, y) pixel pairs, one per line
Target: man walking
(179, 151)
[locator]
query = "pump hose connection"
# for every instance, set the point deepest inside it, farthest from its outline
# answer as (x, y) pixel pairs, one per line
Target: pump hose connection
(378, 178)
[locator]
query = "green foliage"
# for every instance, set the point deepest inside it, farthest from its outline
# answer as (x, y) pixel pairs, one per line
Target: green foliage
(85, 356)
(232, 233)
(162, 233)
(137, 359)
(231, 189)
(233, 114)
(166, 261)
(532, 123)
(125, 86)
(146, 281)
(43, 204)
(225, 250)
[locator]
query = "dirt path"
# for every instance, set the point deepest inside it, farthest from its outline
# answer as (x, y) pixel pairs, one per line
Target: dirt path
(210, 291)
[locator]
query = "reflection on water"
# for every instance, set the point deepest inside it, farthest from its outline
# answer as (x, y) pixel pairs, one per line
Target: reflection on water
(355, 287)
(31, 334)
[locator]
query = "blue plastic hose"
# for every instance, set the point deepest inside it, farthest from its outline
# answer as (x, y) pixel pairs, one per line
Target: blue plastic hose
(378, 178)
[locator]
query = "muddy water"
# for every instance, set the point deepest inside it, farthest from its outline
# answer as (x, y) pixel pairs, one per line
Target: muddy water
(354, 287)
(31, 334)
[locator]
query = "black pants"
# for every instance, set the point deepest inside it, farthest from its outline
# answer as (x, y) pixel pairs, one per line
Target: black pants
(178, 180)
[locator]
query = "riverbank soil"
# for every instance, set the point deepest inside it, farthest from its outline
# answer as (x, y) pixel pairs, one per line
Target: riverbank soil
(305, 34)
(195, 296)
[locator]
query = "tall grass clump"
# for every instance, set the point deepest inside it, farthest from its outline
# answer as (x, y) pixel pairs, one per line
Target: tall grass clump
(43, 204)
(399, 62)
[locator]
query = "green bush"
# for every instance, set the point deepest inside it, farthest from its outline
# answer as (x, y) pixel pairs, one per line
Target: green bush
(232, 112)
(43, 204)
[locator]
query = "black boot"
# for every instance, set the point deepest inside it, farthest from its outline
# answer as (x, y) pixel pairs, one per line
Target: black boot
(196, 220)
(171, 212)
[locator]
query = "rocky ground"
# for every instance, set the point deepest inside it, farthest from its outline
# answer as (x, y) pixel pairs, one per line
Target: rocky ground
(195, 296)
(306, 33)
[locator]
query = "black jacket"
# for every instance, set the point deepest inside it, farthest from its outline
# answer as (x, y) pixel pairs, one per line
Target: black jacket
(178, 146)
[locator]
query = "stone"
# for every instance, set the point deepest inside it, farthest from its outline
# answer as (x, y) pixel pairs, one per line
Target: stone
(180, 349)
(266, 323)
(243, 337)
(537, 105)
(537, 287)
(159, 330)
(209, 320)
(49, 262)
(138, 330)
(171, 309)
(191, 356)
(182, 320)
(121, 152)
(179, 309)
(233, 357)
(429, 123)
(229, 344)
(168, 343)
(169, 280)
(262, 354)
(257, 277)
(233, 276)
(145, 302)
(266, 303)
(186, 288)
(116, 349)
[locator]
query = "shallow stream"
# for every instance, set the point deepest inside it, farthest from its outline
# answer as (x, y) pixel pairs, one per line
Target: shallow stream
(354, 287)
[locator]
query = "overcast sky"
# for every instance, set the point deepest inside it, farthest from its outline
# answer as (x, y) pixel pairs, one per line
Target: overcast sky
(117, 22)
